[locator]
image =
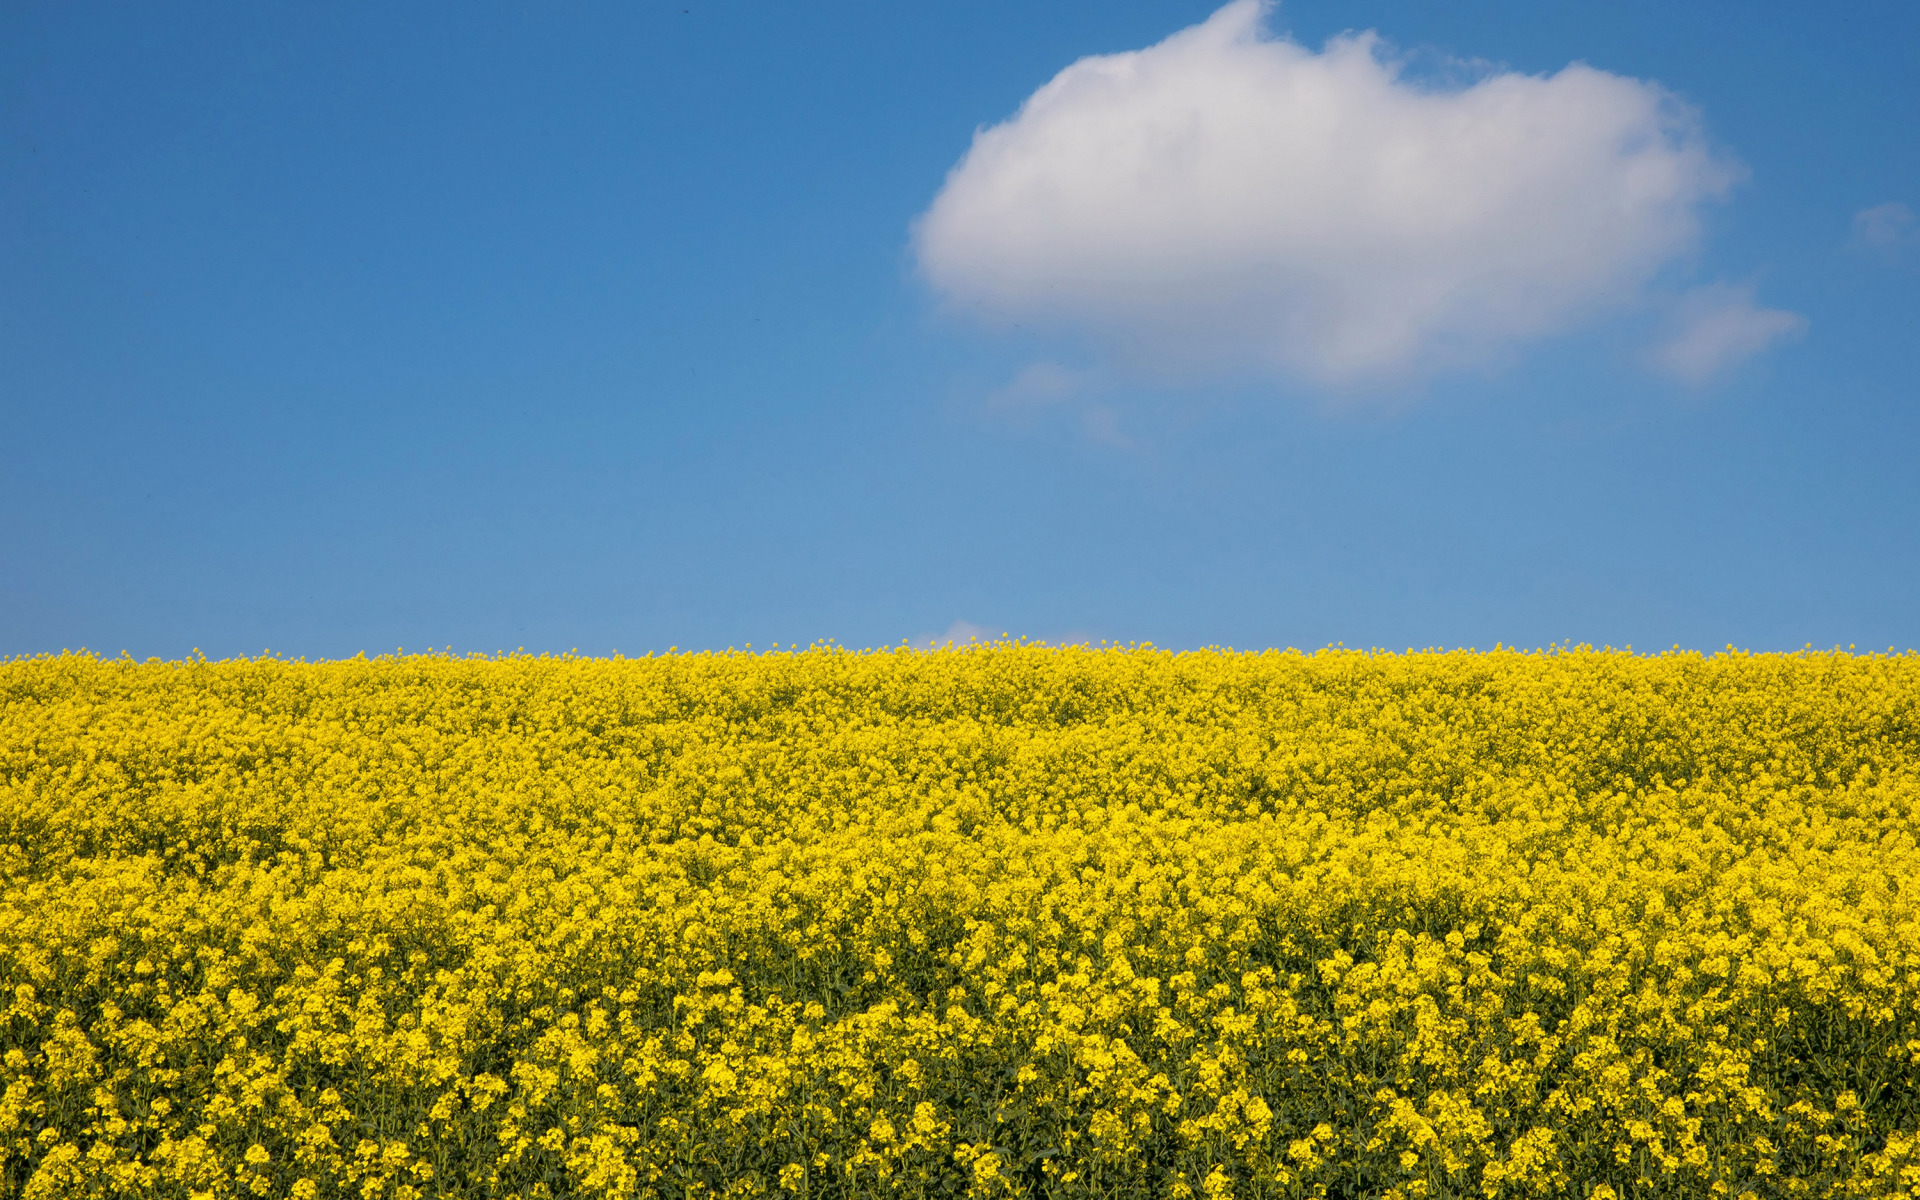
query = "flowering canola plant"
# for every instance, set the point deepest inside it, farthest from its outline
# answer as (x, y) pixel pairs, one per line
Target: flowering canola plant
(1010, 921)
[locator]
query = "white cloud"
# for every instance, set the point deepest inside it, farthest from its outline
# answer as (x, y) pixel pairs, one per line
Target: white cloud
(1886, 229)
(1718, 327)
(1228, 200)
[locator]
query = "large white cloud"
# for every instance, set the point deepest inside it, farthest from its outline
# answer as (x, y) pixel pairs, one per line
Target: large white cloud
(1228, 200)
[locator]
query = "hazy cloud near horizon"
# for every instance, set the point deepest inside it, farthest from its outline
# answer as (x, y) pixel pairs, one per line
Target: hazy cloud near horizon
(1228, 201)
(961, 633)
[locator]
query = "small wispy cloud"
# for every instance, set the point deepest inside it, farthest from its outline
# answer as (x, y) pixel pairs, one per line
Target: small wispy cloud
(1101, 425)
(1048, 386)
(1886, 231)
(1716, 328)
(1042, 383)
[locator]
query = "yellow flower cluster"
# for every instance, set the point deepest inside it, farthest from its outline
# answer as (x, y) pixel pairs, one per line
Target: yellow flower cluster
(1004, 921)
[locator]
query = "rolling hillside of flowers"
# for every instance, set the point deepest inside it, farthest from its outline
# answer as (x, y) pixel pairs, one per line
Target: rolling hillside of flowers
(1010, 921)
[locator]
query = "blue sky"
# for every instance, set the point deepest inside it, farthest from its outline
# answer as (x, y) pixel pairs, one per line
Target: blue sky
(331, 329)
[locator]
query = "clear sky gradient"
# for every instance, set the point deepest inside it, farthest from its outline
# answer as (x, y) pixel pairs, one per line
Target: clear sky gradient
(340, 328)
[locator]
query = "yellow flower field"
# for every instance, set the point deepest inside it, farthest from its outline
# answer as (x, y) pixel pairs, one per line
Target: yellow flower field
(1003, 921)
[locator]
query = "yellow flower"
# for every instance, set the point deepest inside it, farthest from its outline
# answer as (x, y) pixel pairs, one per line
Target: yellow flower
(1094, 920)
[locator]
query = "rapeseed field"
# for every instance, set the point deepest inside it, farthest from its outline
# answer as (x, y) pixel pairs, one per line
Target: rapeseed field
(1005, 921)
